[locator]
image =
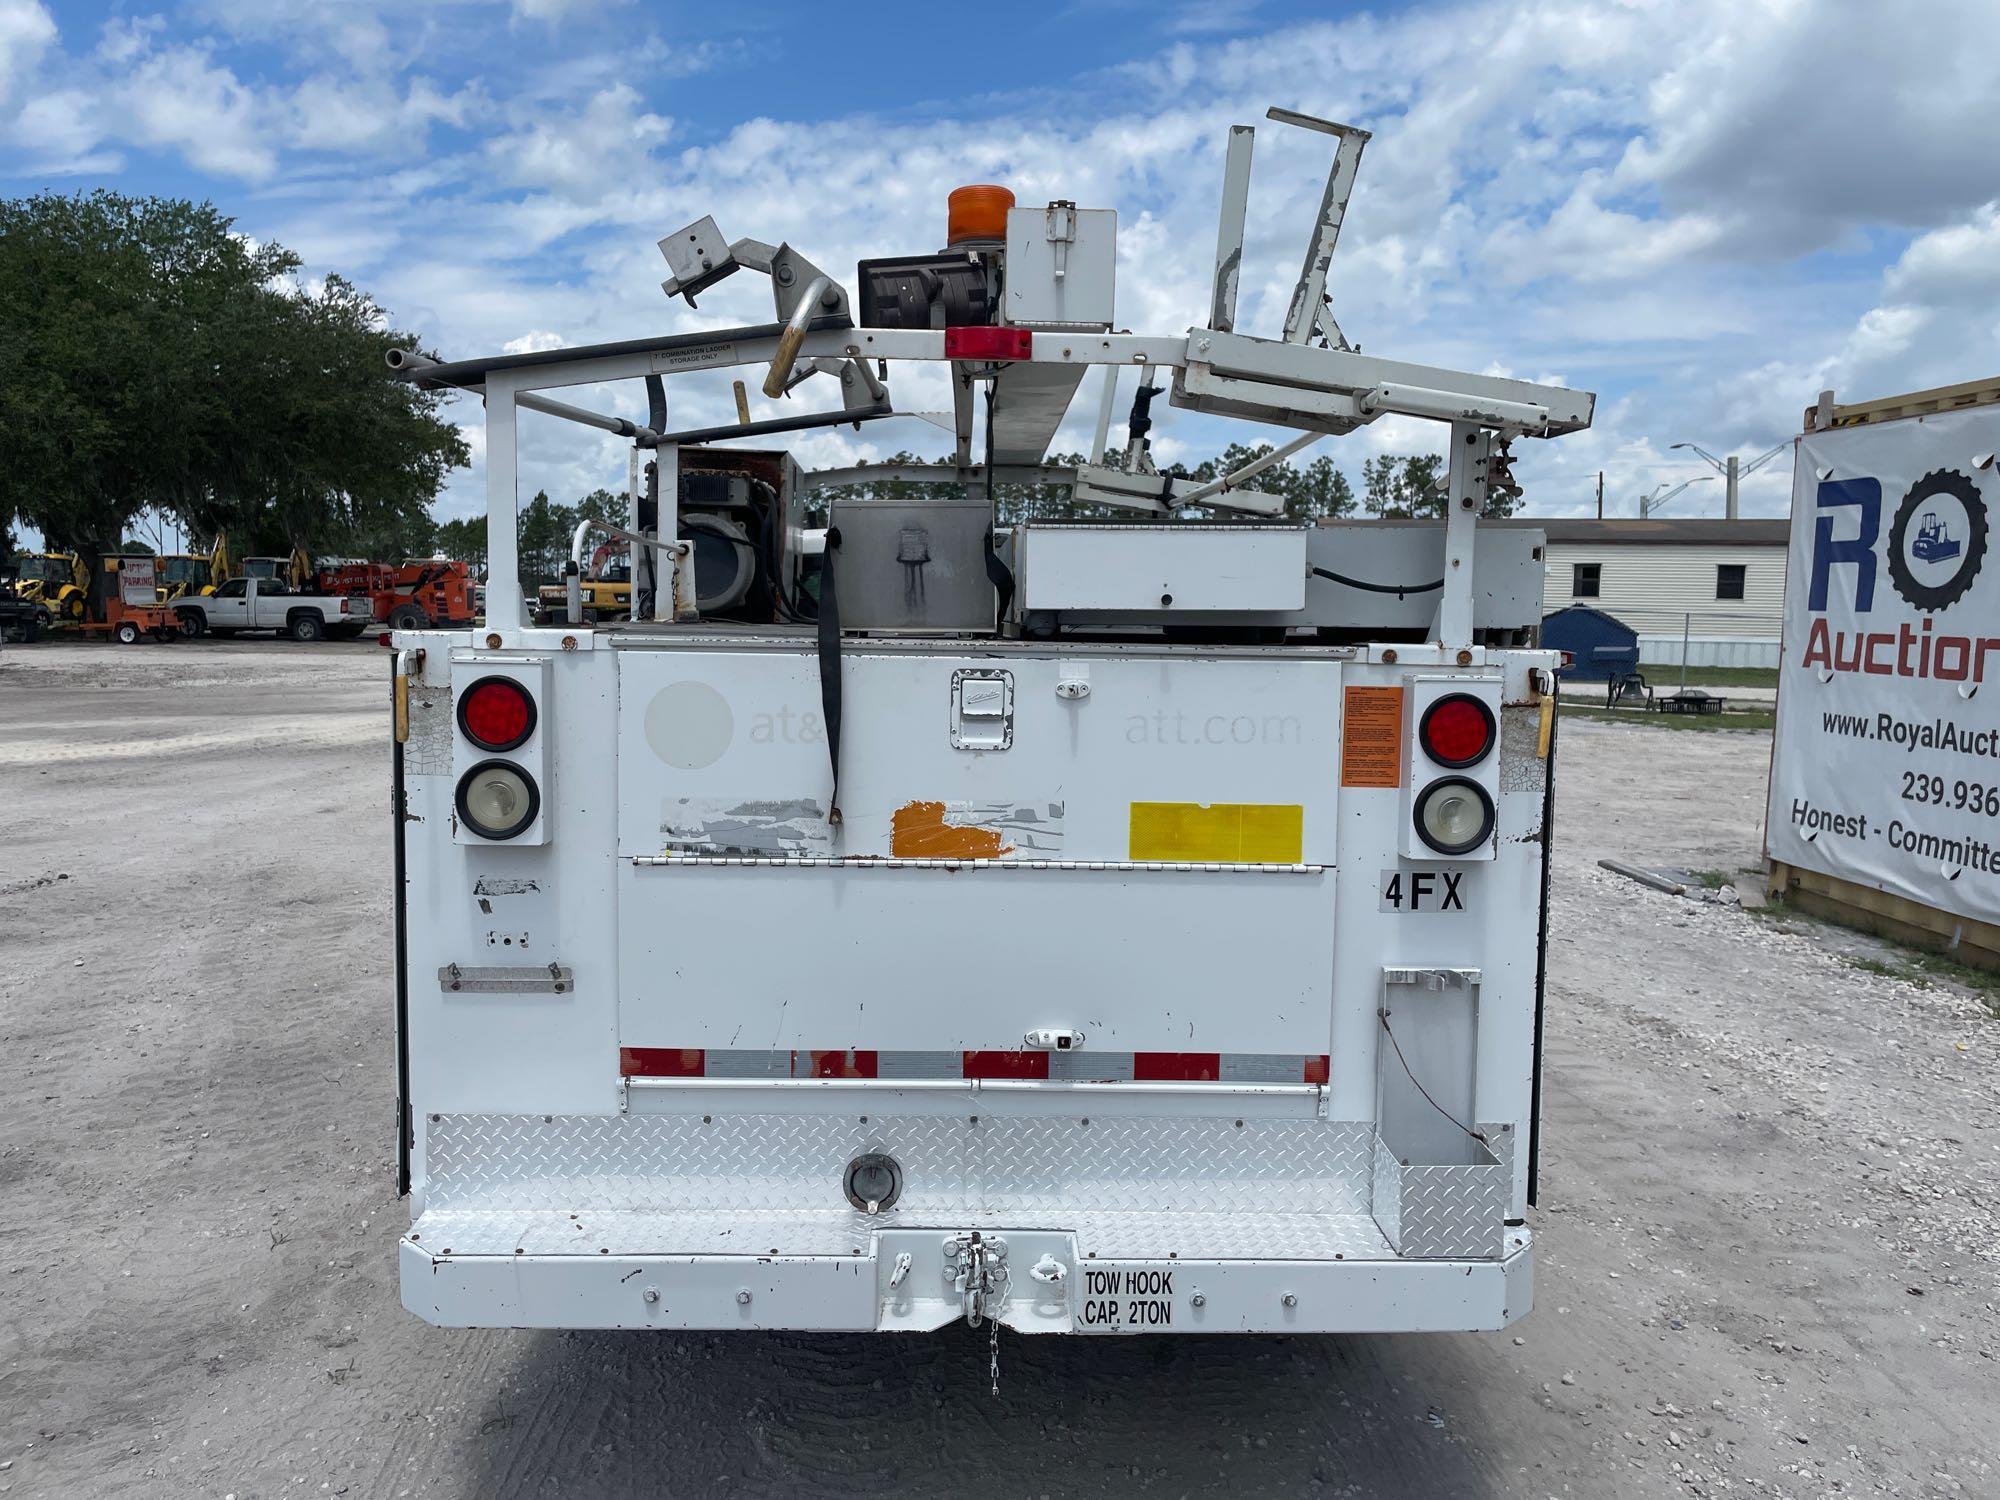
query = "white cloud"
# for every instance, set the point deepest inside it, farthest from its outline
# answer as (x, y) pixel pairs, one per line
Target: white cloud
(1953, 266)
(337, 115)
(60, 130)
(550, 11)
(179, 99)
(1801, 120)
(26, 30)
(533, 343)
(588, 152)
(354, 30)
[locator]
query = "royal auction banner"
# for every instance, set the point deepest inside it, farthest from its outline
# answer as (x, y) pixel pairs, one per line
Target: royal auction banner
(1886, 769)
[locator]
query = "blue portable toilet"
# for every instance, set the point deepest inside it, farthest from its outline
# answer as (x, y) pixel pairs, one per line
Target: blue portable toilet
(1601, 643)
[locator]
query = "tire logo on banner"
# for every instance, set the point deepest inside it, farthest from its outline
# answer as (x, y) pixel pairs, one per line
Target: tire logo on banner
(1938, 540)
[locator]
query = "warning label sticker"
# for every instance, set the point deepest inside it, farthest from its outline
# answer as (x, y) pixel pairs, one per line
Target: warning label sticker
(1371, 737)
(1120, 1301)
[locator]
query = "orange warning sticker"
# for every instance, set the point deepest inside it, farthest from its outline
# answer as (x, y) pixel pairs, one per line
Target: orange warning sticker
(1371, 737)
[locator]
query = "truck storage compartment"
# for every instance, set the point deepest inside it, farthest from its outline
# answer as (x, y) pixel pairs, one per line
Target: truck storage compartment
(1132, 854)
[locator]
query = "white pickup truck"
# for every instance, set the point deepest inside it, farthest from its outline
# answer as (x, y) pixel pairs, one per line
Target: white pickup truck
(269, 604)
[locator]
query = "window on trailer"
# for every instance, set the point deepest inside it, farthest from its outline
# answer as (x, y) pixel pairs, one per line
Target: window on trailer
(1729, 580)
(1584, 579)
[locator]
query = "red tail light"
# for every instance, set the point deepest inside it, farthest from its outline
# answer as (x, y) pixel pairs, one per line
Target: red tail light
(496, 713)
(1457, 730)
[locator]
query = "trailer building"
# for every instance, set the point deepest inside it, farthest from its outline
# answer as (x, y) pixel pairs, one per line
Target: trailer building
(1720, 582)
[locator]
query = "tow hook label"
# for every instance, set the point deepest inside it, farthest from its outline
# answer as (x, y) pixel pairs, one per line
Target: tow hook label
(1126, 1301)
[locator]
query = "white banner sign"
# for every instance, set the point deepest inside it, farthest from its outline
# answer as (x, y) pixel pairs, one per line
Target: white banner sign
(136, 583)
(1886, 770)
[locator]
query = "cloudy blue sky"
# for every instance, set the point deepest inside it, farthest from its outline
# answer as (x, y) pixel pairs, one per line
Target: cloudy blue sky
(1706, 210)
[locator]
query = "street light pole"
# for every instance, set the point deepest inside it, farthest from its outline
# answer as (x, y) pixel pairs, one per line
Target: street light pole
(1732, 471)
(1656, 500)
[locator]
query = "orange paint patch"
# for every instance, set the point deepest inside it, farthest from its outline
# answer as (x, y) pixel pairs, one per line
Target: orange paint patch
(919, 831)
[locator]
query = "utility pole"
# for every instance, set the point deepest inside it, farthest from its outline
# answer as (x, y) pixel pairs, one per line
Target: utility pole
(1729, 497)
(1600, 494)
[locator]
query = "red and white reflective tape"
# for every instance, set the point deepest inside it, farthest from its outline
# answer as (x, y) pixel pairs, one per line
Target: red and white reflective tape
(1140, 1067)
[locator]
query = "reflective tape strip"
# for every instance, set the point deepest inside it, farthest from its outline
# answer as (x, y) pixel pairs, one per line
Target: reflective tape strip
(1235, 833)
(869, 862)
(1024, 1064)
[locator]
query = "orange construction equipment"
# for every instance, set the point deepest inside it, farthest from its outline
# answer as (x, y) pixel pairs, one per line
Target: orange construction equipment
(427, 592)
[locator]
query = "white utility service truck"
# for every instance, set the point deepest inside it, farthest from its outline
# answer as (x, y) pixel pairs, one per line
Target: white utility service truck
(1100, 927)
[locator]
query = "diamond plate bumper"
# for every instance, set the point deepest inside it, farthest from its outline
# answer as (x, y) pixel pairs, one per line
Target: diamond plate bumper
(1154, 1224)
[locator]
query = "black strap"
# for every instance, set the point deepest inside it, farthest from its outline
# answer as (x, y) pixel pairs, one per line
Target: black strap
(829, 664)
(997, 572)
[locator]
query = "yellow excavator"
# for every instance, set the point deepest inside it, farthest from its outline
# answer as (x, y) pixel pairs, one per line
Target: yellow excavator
(56, 582)
(184, 575)
(296, 570)
(607, 588)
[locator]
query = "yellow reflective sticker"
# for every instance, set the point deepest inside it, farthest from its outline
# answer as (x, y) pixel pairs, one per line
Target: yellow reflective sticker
(1237, 833)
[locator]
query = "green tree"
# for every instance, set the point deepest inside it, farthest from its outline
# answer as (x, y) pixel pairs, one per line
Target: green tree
(541, 541)
(1317, 489)
(464, 540)
(1417, 487)
(1404, 488)
(153, 358)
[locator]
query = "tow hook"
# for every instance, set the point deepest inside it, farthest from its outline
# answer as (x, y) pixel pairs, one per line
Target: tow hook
(976, 1267)
(1049, 1271)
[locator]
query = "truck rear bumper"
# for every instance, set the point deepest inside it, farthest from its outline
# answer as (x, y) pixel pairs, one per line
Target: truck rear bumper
(1169, 1274)
(1110, 1222)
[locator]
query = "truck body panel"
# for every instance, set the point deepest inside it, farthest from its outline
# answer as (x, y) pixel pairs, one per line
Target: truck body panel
(752, 998)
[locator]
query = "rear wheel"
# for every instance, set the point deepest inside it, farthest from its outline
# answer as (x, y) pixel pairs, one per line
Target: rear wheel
(308, 627)
(127, 633)
(194, 624)
(409, 617)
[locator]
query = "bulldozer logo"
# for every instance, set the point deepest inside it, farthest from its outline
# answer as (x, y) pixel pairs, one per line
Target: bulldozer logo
(1937, 540)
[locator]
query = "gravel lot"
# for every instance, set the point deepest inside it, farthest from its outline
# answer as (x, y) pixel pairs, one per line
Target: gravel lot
(1769, 1250)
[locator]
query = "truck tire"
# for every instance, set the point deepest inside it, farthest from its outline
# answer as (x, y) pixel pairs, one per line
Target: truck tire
(409, 617)
(127, 633)
(194, 624)
(307, 627)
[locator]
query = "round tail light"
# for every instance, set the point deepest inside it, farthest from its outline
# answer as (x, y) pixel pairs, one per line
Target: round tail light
(496, 713)
(497, 799)
(1457, 730)
(1454, 815)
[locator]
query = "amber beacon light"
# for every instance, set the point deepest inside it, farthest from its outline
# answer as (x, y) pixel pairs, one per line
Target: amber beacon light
(977, 212)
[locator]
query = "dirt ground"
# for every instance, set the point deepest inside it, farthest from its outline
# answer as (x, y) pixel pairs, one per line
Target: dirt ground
(1769, 1252)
